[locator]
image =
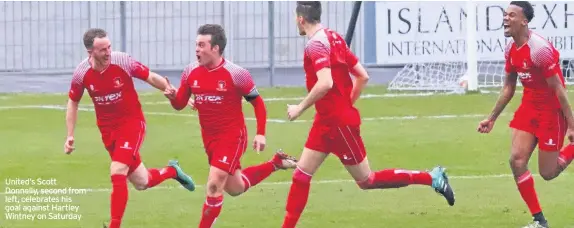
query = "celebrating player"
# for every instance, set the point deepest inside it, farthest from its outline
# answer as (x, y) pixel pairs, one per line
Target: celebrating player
(544, 116)
(218, 86)
(108, 77)
(336, 129)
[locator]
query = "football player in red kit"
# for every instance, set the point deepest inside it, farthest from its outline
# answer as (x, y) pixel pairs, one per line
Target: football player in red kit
(108, 78)
(218, 87)
(328, 63)
(544, 116)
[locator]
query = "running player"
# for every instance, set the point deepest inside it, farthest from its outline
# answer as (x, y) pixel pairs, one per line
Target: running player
(544, 116)
(328, 63)
(218, 87)
(108, 77)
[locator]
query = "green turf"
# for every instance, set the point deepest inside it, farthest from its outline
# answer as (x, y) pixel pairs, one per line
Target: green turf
(32, 141)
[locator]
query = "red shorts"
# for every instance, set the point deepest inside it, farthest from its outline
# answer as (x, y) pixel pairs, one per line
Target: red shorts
(549, 127)
(343, 141)
(123, 143)
(225, 151)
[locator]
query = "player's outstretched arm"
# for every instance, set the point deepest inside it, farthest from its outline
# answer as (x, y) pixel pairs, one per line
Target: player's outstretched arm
(506, 95)
(361, 79)
(157, 81)
(179, 98)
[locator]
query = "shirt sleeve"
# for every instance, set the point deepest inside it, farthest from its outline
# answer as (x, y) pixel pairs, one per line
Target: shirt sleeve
(351, 58)
(546, 60)
(77, 86)
(133, 67)
(184, 91)
(319, 54)
(244, 83)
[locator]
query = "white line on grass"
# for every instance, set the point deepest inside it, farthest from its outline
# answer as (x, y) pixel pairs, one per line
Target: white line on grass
(365, 96)
(61, 107)
(288, 183)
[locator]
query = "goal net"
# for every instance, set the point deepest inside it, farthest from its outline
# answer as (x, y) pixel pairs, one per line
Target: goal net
(455, 76)
(464, 59)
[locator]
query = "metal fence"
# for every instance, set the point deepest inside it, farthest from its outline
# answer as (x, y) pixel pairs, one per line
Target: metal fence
(46, 37)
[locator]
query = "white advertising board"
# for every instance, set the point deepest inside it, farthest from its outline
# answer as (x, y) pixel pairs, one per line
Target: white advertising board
(435, 31)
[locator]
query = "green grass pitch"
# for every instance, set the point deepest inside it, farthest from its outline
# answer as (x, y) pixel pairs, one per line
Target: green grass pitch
(399, 132)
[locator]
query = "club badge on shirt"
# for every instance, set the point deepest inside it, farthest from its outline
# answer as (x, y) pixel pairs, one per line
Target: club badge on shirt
(221, 86)
(118, 82)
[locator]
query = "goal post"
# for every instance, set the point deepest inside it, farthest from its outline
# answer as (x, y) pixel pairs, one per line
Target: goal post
(447, 65)
(471, 52)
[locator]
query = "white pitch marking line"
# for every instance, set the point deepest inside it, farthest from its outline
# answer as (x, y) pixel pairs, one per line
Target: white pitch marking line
(61, 107)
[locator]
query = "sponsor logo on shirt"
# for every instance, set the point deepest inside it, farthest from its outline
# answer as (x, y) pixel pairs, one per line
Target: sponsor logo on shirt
(525, 76)
(212, 99)
(108, 98)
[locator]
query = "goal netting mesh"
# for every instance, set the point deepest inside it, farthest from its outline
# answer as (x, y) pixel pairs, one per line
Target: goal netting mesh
(451, 76)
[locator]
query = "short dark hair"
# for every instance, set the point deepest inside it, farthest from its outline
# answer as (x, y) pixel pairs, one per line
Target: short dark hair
(217, 35)
(309, 10)
(527, 9)
(91, 35)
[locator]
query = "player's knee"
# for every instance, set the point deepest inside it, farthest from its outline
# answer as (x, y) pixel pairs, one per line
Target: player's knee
(518, 161)
(233, 188)
(234, 193)
(140, 187)
(213, 188)
(366, 184)
(546, 175)
(299, 176)
(119, 168)
(139, 184)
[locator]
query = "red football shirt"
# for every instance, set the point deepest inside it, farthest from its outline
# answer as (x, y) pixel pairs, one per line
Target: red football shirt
(218, 95)
(534, 62)
(327, 48)
(112, 90)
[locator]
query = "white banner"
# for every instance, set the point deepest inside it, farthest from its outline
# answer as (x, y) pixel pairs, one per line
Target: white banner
(435, 31)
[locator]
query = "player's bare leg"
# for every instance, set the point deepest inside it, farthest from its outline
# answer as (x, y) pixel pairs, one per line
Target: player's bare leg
(307, 165)
(397, 178)
(143, 178)
(523, 144)
(242, 180)
(552, 163)
(119, 195)
(214, 196)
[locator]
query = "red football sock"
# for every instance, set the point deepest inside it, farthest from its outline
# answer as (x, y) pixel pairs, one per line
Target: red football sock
(211, 209)
(119, 199)
(525, 185)
(566, 156)
(156, 176)
(255, 174)
(297, 198)
(395, 178)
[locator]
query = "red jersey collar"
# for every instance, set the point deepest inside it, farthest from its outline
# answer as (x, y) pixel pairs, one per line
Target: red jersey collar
(92, 66)
(218, 66)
